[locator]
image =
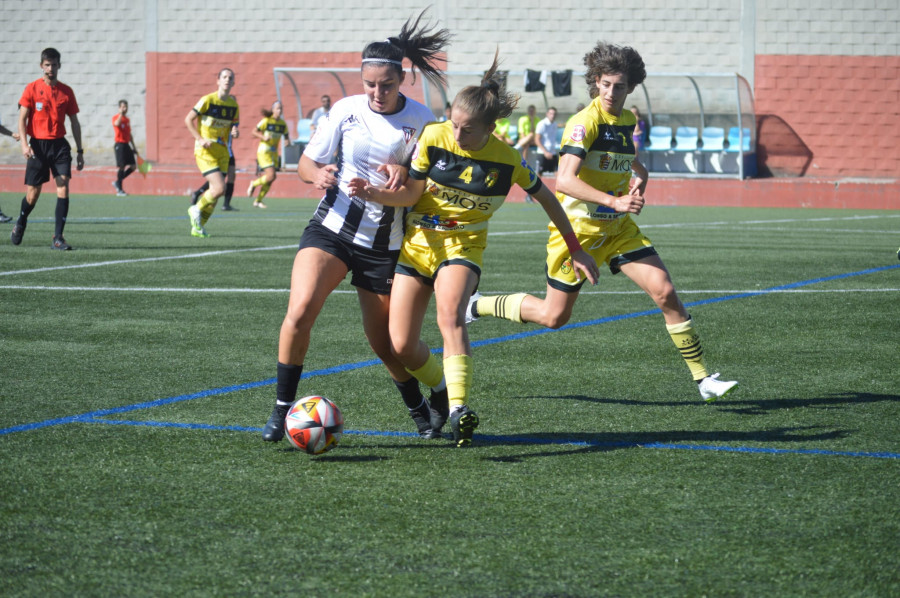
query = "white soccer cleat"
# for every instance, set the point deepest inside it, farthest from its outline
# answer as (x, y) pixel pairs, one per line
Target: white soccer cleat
(471, 314)
(711, 388)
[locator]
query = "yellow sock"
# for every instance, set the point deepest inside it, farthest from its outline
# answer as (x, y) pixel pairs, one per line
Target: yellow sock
(263, 189)
(259, 181)
(207, 206)
(458, 370)
(688, 342)
(508, 307)
(430, 373)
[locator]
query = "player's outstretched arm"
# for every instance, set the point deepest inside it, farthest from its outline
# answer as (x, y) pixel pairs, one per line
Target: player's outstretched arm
(407, 195)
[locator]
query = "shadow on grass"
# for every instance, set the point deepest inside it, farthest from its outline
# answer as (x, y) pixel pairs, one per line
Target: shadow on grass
(601, 442)
(732, 404)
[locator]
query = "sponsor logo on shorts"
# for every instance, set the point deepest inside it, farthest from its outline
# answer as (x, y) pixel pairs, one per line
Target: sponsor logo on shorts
(435, 222)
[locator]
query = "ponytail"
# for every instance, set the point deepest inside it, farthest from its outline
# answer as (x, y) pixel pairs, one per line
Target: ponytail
(421, 45)
(489, 100)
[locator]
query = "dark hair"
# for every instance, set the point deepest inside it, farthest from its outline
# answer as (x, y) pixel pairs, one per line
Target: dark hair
(487, 101)
(223, 70)
(122, 102)
(51, 54)
(269, 113)
(420, 45)
(607, 59)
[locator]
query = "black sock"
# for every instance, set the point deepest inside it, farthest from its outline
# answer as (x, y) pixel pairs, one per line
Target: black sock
(229, 191)
(410, 392)
(287, 381)
(24, 211)
(62, 210)
(128, 170)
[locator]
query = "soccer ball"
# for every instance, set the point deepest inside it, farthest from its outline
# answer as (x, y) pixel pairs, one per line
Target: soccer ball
(314, 424)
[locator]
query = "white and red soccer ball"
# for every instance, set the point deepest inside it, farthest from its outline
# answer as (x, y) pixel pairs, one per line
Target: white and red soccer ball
(314, 424)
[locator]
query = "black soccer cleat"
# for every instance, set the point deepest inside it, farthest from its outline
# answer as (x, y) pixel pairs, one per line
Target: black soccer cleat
(274, 430)
(440, 409)
(18, 232)
(463, 423)
(422, 416)
(60, 244)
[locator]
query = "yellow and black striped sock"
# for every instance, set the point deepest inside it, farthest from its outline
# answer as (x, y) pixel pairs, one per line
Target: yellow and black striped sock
(207, 206)
(688, 342)
(508, 307)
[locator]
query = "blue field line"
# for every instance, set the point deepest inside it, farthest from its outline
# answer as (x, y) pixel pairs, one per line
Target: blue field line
(496, 439)
(91, 417)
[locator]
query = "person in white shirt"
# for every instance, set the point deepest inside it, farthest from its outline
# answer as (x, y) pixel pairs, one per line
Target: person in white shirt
(319, 113)
(376, 133)
(546, 135)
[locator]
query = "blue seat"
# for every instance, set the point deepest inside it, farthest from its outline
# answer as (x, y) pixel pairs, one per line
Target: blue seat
(660, 139)
(304, 131)
(713, 139)
(734, 139)
(686, 139)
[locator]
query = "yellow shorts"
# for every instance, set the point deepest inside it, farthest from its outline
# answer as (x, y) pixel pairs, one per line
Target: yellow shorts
(267, 159)
(211, 159)
(621, 242)
(424, 252)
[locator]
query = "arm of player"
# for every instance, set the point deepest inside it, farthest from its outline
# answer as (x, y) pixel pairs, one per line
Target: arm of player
(567, 182)
(407, 195)
(76, 134)
(191, 122)
(581, 259)
(640, 178)
(23, 132)
(320, 175)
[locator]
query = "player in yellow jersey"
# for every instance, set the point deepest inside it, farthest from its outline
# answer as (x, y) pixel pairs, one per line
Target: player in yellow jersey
(210, 121)
(270, 131)
(596, 188)
(460, 175)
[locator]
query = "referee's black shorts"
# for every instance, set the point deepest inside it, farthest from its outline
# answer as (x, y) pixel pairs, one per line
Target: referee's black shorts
(50, 156)
(124, 155)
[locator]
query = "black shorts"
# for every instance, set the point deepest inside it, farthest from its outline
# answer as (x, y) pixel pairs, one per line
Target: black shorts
(124, 155)
(545, 165)
(50, 156)
(372, 270)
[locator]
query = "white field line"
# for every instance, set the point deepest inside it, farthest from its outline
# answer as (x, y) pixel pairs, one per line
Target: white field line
(145, 259)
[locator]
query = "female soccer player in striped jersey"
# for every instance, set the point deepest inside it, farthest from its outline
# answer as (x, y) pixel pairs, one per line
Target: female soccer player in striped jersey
(376, 133)
(596, 189)
(460, 175)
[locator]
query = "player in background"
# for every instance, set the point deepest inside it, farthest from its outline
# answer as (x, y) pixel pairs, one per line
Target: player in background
(599, 194)
(4, 131)
(229, 182)
(460, 175)
(43, 108)
(124, 147)
(270, 130)
(376, 132)
(210, 122)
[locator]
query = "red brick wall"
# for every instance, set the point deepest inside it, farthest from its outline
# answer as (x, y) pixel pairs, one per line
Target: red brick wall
(828, 115)
(175, 81)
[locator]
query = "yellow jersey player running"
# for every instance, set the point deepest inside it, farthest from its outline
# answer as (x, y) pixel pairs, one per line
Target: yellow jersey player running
(595, 187)
(270, 131)
(460, 175)
(210, 121)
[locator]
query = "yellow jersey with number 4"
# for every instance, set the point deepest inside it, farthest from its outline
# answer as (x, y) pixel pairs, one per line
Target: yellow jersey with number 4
(463, 189)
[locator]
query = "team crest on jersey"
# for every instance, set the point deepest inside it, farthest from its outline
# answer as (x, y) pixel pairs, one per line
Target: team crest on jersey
(415, 153)
(433, 188)
(39, 106)
(492, 177)
(408, 133)
(578, 133)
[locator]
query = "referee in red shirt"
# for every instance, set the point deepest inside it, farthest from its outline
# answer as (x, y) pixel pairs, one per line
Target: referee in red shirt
(43, 108)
